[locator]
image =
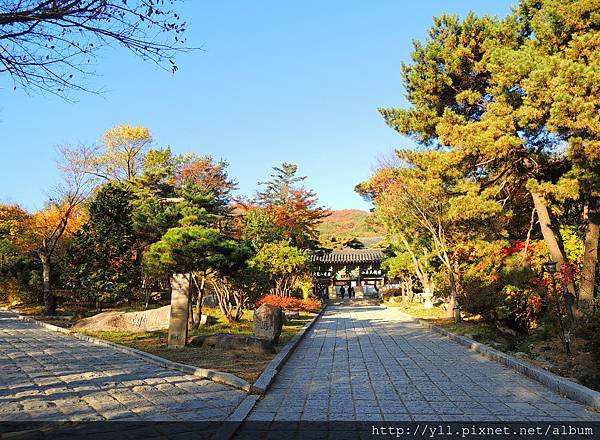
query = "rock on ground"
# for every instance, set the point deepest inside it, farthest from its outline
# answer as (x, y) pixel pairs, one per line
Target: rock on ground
(230, 341)
(147, 320)
(268, 322)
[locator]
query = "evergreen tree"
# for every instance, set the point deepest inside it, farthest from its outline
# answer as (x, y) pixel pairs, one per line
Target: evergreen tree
(507, 96)
(103, 262)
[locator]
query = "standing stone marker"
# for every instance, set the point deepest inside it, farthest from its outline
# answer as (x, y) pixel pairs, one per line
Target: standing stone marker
(178, 322)
(268, 321)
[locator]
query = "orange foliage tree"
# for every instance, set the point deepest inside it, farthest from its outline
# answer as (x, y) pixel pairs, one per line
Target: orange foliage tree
(61, 216)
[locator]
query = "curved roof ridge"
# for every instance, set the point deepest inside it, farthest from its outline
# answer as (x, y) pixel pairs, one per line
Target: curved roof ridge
(349, 255)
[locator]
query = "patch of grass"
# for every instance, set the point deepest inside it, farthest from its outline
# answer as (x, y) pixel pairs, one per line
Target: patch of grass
(471, 326)
(243, 363)
(416, 309)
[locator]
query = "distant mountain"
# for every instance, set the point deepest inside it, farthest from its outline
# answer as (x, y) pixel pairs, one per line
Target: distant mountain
(344, 225)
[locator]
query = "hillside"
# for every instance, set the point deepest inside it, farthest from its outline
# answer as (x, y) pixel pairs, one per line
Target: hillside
(345, 224)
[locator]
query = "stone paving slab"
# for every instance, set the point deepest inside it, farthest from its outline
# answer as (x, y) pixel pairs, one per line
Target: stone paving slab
(369, 363)
(47, 376)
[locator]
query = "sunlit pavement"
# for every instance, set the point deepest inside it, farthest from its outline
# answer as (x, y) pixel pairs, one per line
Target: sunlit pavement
(47, 376)
(370, 364)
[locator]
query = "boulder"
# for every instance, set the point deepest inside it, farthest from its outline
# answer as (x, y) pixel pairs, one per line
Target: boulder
(145, 321)
(207, 320)
(210, 301)
(227, 341)
(268, 321)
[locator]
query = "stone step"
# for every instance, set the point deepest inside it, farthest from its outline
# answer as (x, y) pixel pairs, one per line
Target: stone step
(354, 302)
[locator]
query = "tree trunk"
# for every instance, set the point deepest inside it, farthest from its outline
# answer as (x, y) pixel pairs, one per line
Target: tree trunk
(191, 319)
(190, 309)
(49, 299)
(590, 255)
(552, 238)
(223, 294)
(549, 232)
(199, 303)
(453, 310)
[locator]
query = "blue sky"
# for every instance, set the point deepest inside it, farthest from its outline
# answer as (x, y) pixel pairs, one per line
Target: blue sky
(275, 81)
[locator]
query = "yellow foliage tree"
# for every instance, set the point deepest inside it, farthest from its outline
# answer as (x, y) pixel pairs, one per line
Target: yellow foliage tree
(15, 227)
(46, 221)
(63, 214)
(50, 227)
(124, 152)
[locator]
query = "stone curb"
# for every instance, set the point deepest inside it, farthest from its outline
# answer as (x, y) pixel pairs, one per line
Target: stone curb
(235, 420)
(263, 382)
(556, 383)
(268, 375)
(204, 373)
(47, 326)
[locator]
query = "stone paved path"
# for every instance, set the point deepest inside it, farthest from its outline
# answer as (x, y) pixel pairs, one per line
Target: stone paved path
(369, 364)
(49, 376)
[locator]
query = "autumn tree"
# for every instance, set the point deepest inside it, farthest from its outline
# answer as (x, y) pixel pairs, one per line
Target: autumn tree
(400, 266)
(411, 248)
(508, 96)
(17, 245)
(122, 153)
(430, 198)
(284, 210)
(62, 216)
(284, 263)
(48, 44)
(15, 235)
(209, 176)
(280, 223)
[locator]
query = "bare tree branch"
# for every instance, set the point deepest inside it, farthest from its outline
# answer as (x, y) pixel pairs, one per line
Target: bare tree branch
(48, 45)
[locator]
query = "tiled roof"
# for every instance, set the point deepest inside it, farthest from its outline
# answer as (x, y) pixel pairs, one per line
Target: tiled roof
(350, 256)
